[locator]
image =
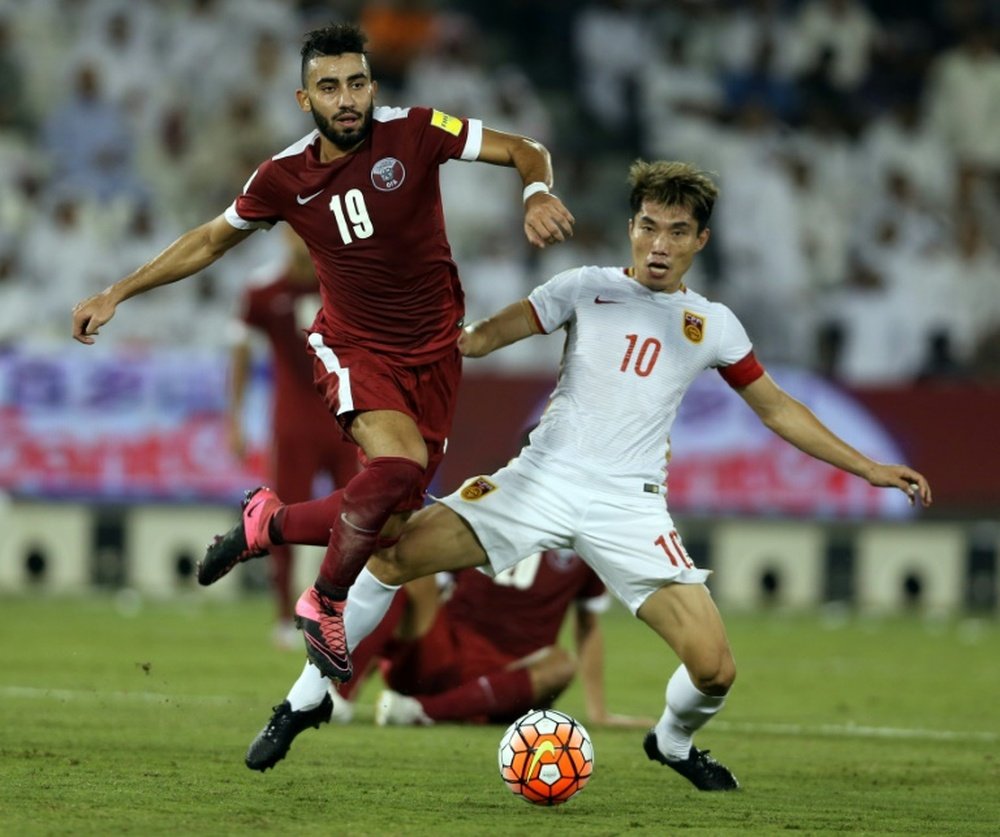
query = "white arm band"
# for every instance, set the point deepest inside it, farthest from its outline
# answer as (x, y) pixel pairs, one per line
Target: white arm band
(534, 189)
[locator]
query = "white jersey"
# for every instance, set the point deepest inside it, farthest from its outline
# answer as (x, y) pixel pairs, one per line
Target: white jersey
(630, 355)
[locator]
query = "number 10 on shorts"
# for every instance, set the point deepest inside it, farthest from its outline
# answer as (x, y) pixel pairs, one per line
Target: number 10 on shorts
(671, 544)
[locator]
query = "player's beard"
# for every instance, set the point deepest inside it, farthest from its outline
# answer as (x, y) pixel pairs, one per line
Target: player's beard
(344, 140)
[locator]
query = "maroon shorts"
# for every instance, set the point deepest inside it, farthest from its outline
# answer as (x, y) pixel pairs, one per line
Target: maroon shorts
(351, 380)
(446, 656)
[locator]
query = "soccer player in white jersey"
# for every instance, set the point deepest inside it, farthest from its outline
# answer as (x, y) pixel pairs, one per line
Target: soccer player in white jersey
(593, 478)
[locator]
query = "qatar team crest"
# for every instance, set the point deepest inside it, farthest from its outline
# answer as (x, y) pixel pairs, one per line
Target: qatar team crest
(477, 489)
(388, 174)
(694, 327)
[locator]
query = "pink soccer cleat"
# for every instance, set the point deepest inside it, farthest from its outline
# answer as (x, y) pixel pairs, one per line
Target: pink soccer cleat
(322, 622)
(246, 540)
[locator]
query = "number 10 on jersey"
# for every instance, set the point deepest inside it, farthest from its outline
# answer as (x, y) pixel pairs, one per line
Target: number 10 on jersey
(675, 549)
(649, 351)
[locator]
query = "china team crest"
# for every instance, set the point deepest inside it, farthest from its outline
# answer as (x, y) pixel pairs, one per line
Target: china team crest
(694, 327)
(388, 174)
(478, 488)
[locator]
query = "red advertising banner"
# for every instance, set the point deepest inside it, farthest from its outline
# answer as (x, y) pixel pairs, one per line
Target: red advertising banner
(116, 425)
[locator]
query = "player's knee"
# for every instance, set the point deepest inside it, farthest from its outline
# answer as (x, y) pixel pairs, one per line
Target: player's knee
(402, 477)
(565, 671)
(552, 674)
(716, 678)
(398, 478)
(387, 483)
(387, 569)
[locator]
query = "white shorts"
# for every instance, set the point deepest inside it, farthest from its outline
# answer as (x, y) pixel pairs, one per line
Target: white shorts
(628, 539)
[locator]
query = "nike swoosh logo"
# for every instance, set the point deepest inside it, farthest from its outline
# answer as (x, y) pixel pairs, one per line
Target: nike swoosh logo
(599, 301)
(303, 201)
(543, 748)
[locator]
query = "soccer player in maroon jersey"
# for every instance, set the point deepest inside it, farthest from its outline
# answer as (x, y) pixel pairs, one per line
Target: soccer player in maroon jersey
(304, 442)
(362, 191)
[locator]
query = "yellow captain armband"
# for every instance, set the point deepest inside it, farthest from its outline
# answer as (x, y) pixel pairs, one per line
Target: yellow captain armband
(451, 124)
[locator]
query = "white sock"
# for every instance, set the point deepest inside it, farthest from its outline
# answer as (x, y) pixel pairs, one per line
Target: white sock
(367, 604)
(309, 690)
(687, 711)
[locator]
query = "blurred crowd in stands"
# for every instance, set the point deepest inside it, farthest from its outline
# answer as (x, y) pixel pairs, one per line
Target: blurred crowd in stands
(856, 142)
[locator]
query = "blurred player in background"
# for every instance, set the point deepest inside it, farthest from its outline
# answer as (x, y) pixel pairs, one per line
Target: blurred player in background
(491, 653)
(304, 443)
(362, 191)
(482, 651)
(593, 478)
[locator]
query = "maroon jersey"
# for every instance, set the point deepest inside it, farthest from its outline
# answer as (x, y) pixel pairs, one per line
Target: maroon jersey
(374, 225)
(274, 310)
(523, 609)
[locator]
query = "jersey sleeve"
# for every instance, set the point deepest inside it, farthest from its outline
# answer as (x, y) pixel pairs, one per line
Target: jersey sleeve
(554, 302)
(256, 207)
(737, 363)
(445, 137)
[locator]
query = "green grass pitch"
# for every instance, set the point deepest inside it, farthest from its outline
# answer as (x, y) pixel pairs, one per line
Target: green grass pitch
(125, 720)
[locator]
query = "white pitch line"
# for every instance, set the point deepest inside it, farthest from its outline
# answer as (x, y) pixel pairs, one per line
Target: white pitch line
(857, 731)
(825, 730)
(34, 693)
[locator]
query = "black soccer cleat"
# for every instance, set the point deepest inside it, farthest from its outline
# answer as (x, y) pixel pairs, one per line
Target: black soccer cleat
(246, 540)
(273, 742)
(699, 768)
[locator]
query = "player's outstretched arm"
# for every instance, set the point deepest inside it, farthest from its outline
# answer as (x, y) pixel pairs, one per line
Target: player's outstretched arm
(513, 323)
(192, 252)
(797, 424)
(546, 219)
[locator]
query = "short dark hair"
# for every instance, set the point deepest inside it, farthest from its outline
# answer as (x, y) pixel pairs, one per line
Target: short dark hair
(673, 184)
(333, 39)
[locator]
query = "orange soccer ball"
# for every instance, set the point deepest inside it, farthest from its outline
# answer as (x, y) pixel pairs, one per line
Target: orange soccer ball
(546, 757)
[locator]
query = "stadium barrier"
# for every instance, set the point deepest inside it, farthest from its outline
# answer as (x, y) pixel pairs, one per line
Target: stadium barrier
(877, 567)
(767, 563)
(902, 567)
(46, 546)
(163, 543)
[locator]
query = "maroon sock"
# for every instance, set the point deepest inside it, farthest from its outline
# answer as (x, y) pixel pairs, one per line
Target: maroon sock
(310, 523)
(373, 646)
(307, 523)
(281, 579)
(501, 693)
(369, 500)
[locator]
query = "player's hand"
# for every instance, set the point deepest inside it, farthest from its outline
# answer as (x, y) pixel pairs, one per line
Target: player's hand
(910, 482)
(90, 315)
(546, 220)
